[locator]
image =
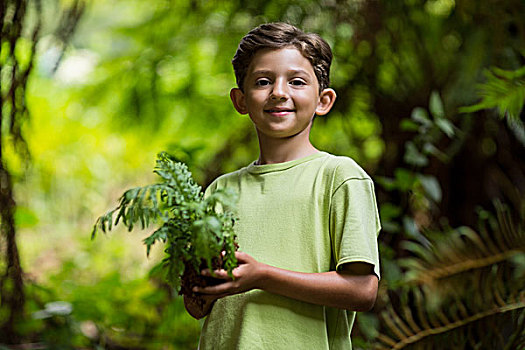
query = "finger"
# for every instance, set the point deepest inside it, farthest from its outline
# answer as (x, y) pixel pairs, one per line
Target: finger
(221, 274)
(242, 257)
(223, 288)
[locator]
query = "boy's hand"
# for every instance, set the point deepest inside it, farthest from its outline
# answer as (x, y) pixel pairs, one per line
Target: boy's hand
(246, 277)
(352, 288)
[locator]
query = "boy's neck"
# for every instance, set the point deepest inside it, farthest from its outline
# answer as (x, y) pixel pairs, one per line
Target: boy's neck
(280, 150)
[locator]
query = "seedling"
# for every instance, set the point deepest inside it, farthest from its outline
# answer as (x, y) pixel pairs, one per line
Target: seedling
(197, 230)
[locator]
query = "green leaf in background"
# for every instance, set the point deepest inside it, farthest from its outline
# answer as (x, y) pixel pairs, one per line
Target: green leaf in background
(446, 126)
(436, 105)
(413, 156)
(408, 125)
(420, 115)
(388, 214)
(25, 217)
(431, 186)
(413, 232)
(405, 179)
(503, 90)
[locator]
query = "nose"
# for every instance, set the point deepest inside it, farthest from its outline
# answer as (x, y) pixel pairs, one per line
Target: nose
(280, 90)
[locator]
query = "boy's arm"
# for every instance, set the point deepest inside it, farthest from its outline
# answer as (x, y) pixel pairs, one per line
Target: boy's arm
(353, 288)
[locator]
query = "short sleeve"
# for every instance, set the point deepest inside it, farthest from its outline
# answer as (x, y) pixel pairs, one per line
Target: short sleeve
(211, 188)
(354, 223)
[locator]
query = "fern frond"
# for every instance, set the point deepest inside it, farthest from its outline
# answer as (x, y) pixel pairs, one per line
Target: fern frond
(464, 250)
(403, 341)
(467, 288)
(193, 227)
(498, 296)
(503, 90)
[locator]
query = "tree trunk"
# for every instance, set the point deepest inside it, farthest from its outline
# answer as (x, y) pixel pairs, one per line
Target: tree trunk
(11, 283)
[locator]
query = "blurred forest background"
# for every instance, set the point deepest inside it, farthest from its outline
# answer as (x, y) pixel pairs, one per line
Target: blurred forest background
(430, 103)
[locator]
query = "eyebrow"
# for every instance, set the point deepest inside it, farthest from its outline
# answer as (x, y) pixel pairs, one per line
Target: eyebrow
(293, 71)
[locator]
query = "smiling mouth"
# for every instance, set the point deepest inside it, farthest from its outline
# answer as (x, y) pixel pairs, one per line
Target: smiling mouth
(279, 110)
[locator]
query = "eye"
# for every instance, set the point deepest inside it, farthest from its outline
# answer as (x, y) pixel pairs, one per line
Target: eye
(262, 82)
(297, 82)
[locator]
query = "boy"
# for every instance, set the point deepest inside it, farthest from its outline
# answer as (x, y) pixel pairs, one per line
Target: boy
(308, 220)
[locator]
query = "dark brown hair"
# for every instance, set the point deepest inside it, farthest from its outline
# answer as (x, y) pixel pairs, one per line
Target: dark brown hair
(279, 35)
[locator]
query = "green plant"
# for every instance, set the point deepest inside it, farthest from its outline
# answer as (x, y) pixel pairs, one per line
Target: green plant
(503, 90)
(465, 288)
(198, 229)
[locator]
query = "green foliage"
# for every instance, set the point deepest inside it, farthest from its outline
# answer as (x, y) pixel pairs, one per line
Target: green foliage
(503, 90)
(465, 287)
(429, 132)
(429, 128)
(109, 310)
(195, 227)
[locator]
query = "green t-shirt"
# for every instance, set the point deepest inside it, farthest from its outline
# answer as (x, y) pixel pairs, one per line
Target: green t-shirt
(309, 215)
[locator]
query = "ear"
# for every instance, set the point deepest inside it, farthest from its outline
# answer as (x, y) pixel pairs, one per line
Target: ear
(237, 97)
(326, 101)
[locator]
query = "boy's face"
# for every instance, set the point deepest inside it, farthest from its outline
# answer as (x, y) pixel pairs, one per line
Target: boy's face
(281, 93)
